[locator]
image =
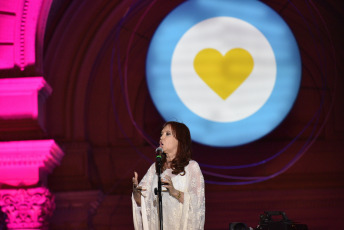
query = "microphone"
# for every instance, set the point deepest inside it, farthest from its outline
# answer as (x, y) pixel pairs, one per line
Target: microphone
(159, 150)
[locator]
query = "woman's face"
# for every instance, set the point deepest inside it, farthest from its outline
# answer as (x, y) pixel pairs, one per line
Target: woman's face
(168, 142)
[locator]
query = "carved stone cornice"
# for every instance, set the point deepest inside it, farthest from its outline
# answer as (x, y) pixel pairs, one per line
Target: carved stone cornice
(26, 163)
(22, 106)
(20, 97)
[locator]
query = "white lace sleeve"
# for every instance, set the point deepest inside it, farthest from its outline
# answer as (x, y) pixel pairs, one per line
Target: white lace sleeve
(139, 213)
(194, 199)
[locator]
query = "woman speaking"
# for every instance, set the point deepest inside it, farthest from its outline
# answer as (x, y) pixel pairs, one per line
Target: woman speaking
(183, 201)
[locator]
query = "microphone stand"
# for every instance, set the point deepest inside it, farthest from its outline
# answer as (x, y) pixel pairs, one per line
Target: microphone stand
(158, 162)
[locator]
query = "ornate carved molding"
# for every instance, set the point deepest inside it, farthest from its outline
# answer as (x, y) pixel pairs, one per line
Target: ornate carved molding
(27, 208)
(28, 162)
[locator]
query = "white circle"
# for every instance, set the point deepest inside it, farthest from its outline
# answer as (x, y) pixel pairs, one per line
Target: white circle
(223, 34)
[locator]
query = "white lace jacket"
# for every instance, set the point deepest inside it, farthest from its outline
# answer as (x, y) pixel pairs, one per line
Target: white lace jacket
(176, 216)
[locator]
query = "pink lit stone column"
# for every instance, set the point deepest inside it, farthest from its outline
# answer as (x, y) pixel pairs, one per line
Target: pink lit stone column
(24, 164)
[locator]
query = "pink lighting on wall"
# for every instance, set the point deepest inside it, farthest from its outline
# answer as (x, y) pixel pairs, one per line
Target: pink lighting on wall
(27, 163)
(18, 32)
(24, 164)
(7, 25)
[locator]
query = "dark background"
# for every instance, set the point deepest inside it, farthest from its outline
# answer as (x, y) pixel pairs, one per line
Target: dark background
(102, 116)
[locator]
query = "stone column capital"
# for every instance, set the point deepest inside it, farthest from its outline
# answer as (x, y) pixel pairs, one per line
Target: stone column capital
(28, 208)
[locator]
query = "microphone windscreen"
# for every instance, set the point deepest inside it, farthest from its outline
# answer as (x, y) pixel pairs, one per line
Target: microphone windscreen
(159, 150)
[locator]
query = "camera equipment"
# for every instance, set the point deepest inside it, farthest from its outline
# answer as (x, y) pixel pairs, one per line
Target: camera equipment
(267, 222)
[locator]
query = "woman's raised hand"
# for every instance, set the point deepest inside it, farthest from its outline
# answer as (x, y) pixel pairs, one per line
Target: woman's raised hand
(137, 189)
(167, 183)
(135, 180)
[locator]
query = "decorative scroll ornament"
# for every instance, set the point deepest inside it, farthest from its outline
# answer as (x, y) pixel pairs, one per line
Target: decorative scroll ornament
(27, 208)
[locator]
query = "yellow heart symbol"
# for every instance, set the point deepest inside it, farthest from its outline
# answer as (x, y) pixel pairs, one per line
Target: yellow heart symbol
(223, 74)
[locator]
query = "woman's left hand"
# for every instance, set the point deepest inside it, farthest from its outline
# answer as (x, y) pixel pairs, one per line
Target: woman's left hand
(167, 183)
(171, 190)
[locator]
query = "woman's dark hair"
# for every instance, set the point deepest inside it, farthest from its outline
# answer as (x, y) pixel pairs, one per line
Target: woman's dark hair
(182, 133)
